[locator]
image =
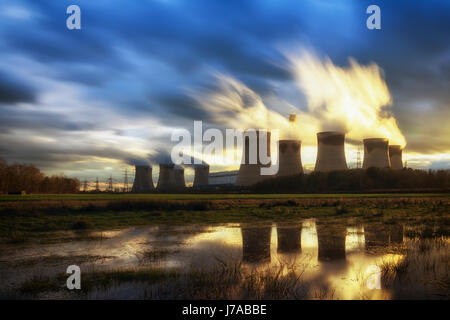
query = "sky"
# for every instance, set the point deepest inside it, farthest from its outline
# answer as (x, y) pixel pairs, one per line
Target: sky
(89, 103)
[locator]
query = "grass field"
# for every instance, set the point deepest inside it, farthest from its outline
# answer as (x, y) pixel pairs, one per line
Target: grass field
(194, 196)
(34, 215)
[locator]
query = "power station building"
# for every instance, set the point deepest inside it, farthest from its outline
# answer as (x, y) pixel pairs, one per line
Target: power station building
(289, 157)
(376, 153)
(223, 178)
(143, 182)
(250, 173)
(395, 156)
(330, 151)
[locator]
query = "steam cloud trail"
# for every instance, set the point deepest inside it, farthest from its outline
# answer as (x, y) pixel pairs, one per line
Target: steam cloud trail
(354, 100)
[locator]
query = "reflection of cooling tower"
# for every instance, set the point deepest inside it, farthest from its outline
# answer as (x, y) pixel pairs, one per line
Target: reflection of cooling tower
(166, 178)
(179, 178)
(376, 153)
(201, 176)
(395, 156)
(256, 244)
(289, 158)
(143, 182)
(330, 151)
(331, 243)
(250, 173)
(289, 239)
(377, 235)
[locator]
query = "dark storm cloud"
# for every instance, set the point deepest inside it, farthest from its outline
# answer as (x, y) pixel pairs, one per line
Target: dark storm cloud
(16, 118)
(14, 90)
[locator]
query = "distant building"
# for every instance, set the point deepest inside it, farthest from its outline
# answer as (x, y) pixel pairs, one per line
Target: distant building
(223, 178)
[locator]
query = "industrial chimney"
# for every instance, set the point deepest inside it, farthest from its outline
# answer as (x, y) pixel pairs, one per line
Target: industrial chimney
(250, 174)
(330, 151)
(289, 158)
(395, 156)
(179, 182)
(376, 153)
(201, 176)
(166, 178)
(143, 182)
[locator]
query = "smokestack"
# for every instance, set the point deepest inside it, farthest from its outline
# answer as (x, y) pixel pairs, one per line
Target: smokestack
(376, 153)
(395, 156)
(250, 174)
(143, 182)
(330, 151)
(201, 176)
(289, 158)
(166, 180)
(179, 178)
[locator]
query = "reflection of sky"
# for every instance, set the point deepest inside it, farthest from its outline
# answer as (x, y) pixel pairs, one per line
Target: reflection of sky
(83, 102)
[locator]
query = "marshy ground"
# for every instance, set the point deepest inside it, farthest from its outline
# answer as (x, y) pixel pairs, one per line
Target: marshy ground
(220, 247)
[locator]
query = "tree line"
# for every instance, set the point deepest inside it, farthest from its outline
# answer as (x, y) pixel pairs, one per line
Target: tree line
(355, 180)
(19, 177)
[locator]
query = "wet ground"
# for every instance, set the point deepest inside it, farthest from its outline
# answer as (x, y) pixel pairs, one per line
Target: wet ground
(329, 260)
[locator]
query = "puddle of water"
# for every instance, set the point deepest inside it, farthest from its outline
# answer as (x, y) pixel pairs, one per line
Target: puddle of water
(336, 258)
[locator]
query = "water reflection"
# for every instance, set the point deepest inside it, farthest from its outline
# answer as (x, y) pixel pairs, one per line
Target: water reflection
(289, 239)
(380, 235)
(256, 244)
(328, 255)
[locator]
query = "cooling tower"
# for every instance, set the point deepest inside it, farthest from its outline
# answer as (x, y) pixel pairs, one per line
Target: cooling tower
(179, 178)
(330, 151)
(376, 153)
(201, 176)
(250, 174)
(395, 156)
(166, 180)
(256, 244)
(143, 182)
(289, 158)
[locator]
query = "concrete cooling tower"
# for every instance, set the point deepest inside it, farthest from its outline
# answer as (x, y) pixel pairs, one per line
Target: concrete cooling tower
(143, 182)
(289, 158)
(201, 176)
(395, 156)
(330, 151)
(376, 153)
(166, 180)
(250, 174)
(179, 178)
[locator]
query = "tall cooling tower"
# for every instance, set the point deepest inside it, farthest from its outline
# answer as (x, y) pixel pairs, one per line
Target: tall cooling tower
(201, 176)
(250, 174)
(166, 180)
(179, 178)
(376, 153)
(395, 156)
(289, 158)
(330, 151)
(143, 181)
